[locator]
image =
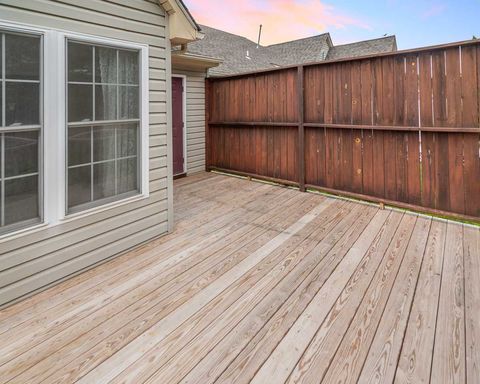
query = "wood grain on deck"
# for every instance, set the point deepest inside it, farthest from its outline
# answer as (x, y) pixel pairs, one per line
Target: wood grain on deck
(263, 284)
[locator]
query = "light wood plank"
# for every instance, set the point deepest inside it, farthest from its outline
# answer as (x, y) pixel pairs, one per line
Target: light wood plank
(136, 349)
(251, 285)
(164, 276)
(135, 320)
(449, 353)
(416, 356)
(316, 247)
(315, 360)
(60, 315)
(28, 304)
(137, 259)
(472, 302)
(381, 362)
(283, 359)
(246, 364)
(347, 363)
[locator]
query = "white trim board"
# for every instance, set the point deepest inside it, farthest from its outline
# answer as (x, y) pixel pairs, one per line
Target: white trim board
(168, 81)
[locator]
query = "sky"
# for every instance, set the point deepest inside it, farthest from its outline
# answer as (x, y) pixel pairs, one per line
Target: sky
(416, 23)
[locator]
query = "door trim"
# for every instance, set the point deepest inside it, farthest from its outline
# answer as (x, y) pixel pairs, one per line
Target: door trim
(184, 111)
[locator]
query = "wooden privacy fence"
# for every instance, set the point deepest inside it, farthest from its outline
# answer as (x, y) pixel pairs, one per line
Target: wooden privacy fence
(400, 128)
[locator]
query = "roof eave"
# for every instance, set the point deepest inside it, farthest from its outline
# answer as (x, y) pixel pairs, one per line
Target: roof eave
(183, 28)
(186, 60)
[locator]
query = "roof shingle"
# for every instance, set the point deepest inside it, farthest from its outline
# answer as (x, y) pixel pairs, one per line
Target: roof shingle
(363, 48)
(241, 55)
(305, 50)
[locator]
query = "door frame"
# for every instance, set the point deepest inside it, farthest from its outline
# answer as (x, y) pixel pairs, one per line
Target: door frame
(184, 111)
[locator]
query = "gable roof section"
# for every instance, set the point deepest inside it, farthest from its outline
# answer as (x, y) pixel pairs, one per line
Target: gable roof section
(185, 9)
(172, 6)
(363, 48)
(233, 50)
(305, 50)
(182, 26)
(240, 54)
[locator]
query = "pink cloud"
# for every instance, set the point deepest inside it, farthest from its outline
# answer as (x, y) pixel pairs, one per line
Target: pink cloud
(282, 20)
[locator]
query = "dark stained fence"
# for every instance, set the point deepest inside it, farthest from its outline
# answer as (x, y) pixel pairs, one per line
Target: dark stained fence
(398, 128)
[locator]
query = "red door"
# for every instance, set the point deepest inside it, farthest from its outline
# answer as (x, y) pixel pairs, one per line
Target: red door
(177, 125)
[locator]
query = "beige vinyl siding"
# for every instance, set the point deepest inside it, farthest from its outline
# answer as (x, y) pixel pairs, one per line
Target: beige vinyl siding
(195, 124)
(37, 259)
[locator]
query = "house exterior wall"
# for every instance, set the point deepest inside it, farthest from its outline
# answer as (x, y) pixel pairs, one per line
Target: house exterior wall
(38, 258)
(195, 115)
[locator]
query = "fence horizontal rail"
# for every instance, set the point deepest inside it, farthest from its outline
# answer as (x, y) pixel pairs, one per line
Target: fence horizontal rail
(348, 126)
(256, 123)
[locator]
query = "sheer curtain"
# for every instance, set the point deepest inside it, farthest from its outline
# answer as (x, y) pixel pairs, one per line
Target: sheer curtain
(106, 74)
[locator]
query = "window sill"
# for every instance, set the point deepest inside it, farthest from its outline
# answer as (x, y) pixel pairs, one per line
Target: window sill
(105, 207)
(71, 217)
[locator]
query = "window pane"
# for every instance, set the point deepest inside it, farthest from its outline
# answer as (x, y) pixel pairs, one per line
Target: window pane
(129, 102)
(1, 92)
(1, 98)
(103, 143)
(105, 102)
(21, 153)
(127, 175)
(80, 103)
(80, 62)
(103, 180)
(79, 185)
(79, 145)
(127, 140)
(22, 103)
(21, 199)
(22, 57)
(105, 65)
(128, 67)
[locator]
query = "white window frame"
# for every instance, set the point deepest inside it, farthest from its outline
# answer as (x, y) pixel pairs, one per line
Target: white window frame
(21, 29)
(142, 76)
(53, 190)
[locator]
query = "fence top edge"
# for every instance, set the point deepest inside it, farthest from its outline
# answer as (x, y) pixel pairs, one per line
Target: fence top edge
(350, 59)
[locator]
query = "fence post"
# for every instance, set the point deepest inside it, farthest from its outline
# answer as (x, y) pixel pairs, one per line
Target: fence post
(301, 130)
(207, 128)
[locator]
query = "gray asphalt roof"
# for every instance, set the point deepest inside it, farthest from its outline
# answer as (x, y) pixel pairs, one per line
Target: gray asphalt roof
(239, 53)
(362, 48)
(242, 55)
(299, 51)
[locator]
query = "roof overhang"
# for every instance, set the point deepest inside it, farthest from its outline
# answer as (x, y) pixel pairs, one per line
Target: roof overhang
(182, 27)
(191, 61)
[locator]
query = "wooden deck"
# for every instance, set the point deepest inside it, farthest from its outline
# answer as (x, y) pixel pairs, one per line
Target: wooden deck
(262, 284)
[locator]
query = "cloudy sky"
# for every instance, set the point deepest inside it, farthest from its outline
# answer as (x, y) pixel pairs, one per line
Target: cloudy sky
(414, 22)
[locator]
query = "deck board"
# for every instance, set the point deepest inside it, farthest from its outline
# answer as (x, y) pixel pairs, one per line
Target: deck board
(347, 363)
(416, 356)
(472, 302)
(449, 358)
(316, 358)
(261, 283)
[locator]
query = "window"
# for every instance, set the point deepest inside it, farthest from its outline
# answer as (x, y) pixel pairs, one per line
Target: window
(103, 124)
(73, 125)
(20, 129)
